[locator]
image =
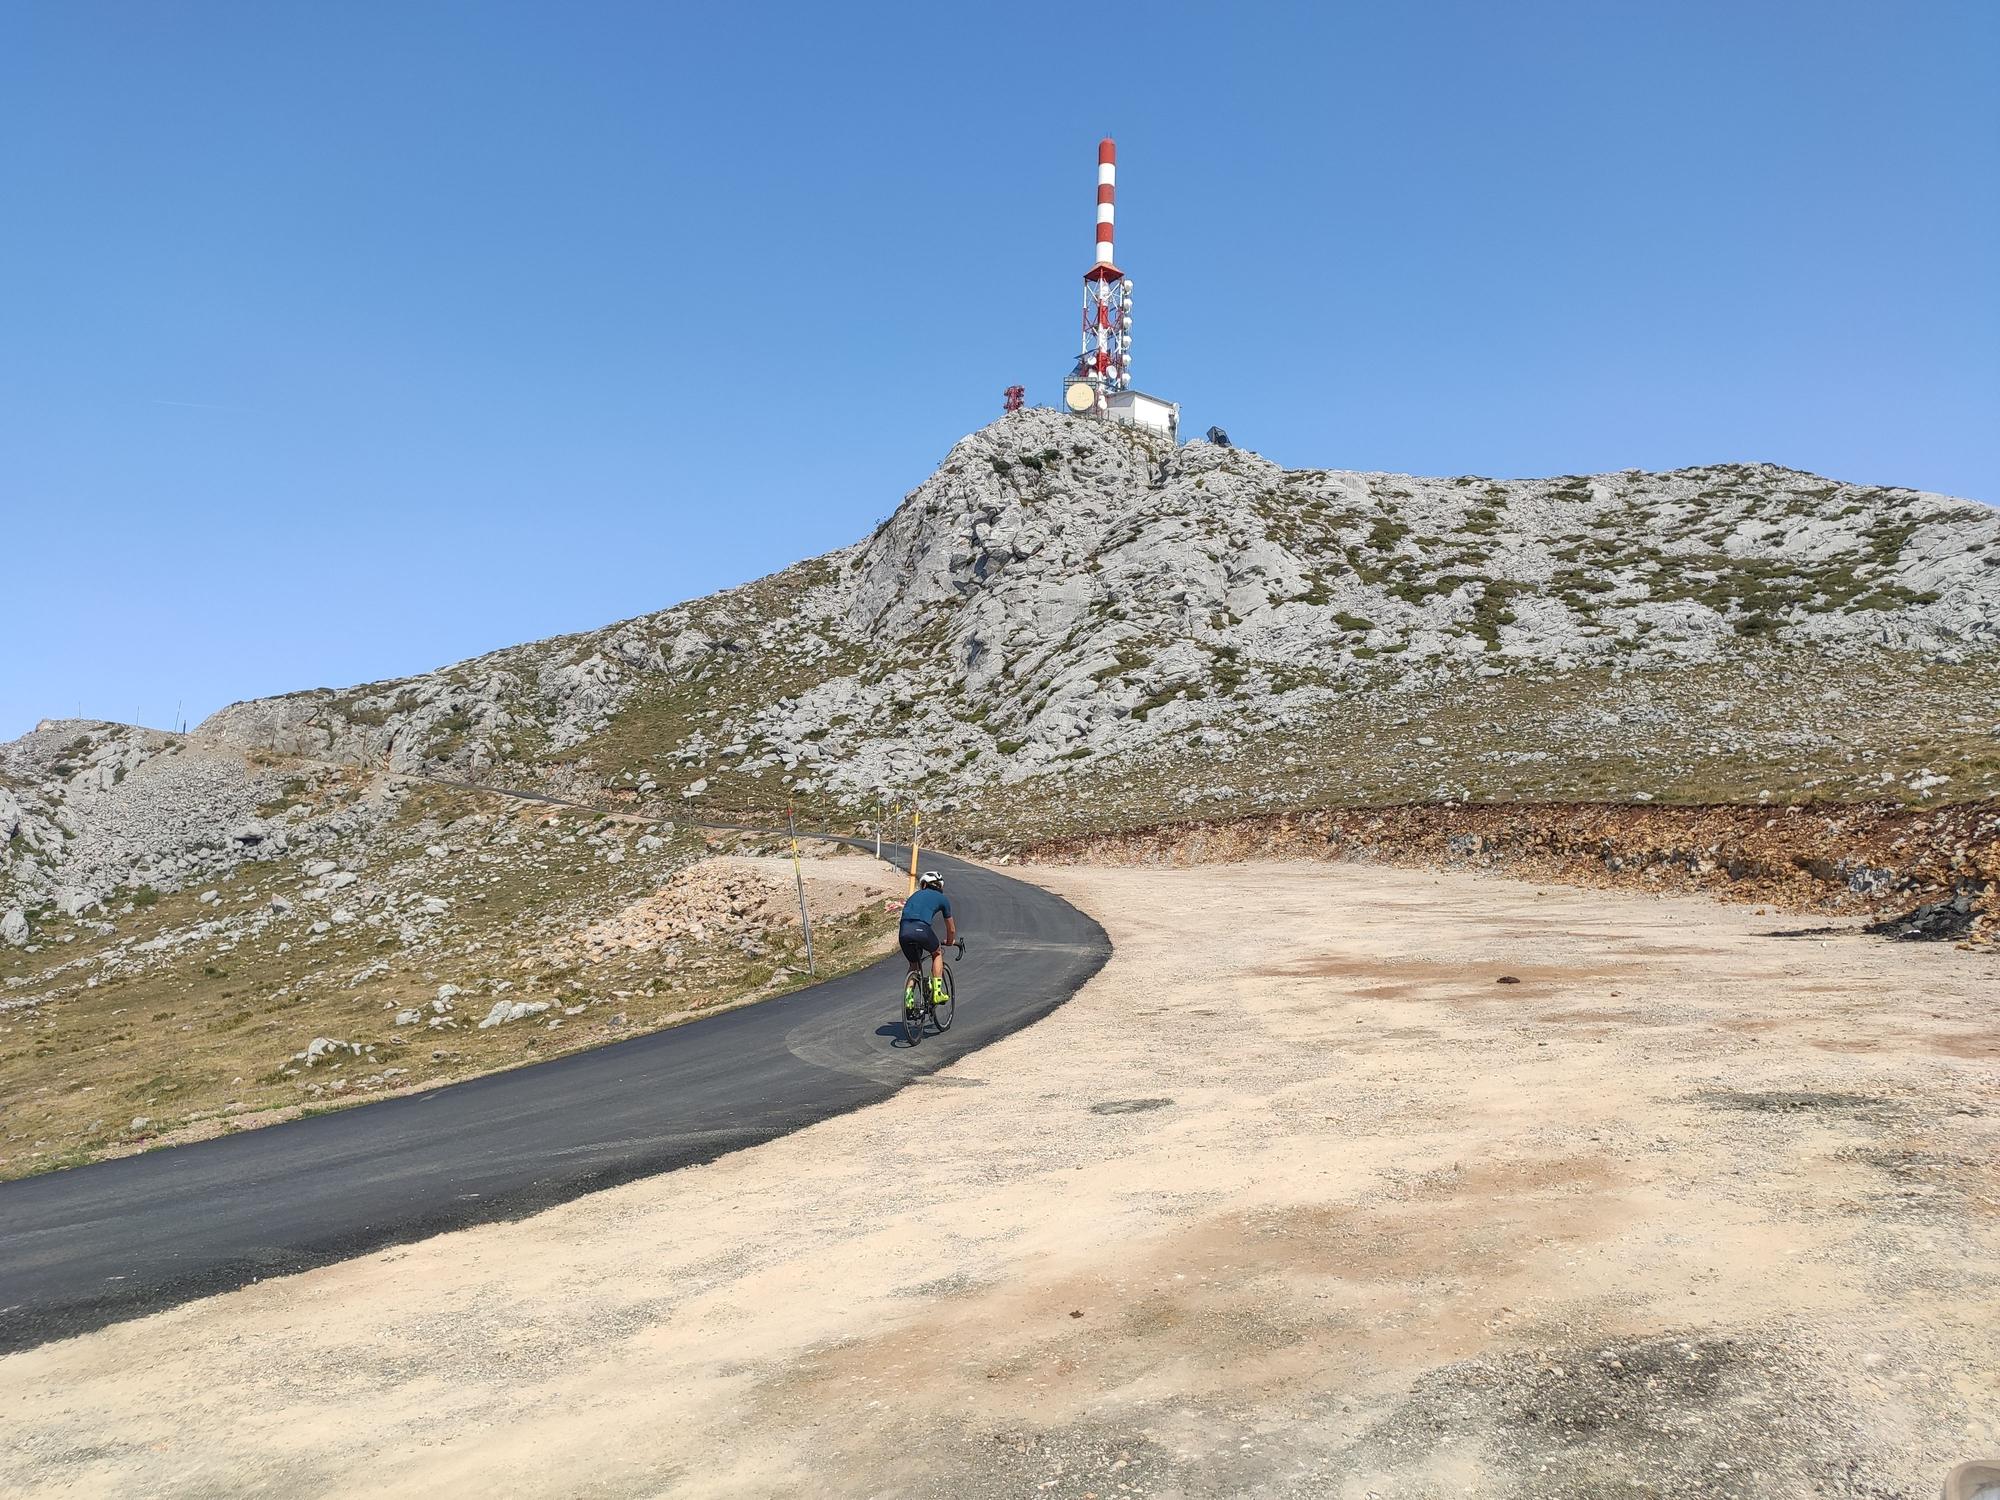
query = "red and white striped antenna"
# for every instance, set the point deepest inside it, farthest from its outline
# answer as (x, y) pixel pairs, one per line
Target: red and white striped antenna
(1105, 365)
(1107, 204)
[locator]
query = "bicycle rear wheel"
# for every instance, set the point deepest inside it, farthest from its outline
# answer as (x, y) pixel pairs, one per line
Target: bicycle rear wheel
(913, 1013)
(941, 1010)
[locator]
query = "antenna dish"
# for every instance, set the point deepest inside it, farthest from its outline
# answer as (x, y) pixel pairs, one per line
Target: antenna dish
(1078, 397)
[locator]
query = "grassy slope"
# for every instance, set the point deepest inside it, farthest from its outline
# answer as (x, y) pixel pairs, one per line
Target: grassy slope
(1778, 729)
(204, 1039)
(1782, 722)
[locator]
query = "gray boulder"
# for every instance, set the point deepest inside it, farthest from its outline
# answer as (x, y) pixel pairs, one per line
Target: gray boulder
(512, 1010)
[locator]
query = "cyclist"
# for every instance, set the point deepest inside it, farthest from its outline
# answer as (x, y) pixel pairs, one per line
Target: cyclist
(918, 935)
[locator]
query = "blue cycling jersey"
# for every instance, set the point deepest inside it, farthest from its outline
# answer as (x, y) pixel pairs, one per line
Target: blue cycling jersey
(926, 905)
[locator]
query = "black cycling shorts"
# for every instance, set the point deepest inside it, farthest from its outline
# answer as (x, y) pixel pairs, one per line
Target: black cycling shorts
(917, 938)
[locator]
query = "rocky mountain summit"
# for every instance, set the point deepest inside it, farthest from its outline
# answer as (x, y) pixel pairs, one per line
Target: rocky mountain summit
(1070, 620)
(1064, 599)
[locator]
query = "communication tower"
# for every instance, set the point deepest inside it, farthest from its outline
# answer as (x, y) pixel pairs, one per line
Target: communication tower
(1101, 382)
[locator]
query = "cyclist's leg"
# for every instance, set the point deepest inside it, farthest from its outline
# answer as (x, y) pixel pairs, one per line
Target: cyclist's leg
(930, 960)
(913, 955)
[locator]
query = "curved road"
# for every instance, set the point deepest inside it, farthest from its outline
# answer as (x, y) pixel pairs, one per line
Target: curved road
(87, 1246)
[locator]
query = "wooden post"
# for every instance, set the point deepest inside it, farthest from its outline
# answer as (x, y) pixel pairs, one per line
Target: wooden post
(916, 837)
(798, 876)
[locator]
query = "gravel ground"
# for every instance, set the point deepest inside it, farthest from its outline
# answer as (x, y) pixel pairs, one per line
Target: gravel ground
(1339, 1181)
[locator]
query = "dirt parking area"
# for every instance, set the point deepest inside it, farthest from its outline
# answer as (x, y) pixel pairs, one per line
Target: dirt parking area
(1338, 1181)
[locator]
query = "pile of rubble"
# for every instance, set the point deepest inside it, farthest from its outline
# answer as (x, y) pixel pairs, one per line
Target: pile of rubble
(734, 901)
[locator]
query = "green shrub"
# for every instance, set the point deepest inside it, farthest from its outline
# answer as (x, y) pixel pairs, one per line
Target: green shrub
(1492, 612)
(1130, 659)
(1385, 534)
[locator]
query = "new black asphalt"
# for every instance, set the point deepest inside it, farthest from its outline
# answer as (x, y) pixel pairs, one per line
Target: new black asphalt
(88, 1246)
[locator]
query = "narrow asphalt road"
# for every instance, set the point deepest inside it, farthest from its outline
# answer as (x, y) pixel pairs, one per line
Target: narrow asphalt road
(88, 1246)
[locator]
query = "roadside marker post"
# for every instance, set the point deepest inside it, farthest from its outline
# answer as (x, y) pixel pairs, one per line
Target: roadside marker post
(798, 877)
(916, 837)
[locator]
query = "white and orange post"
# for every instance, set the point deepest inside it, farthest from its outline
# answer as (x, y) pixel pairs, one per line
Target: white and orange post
(1107, 293)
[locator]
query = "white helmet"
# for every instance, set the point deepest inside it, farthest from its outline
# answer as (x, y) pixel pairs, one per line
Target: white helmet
(929, 878)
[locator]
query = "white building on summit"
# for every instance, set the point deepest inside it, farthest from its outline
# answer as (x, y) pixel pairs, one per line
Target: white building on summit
(1142, 410)
(1101, 383)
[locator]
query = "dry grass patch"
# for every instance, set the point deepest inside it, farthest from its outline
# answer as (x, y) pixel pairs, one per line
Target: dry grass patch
(188, 1018)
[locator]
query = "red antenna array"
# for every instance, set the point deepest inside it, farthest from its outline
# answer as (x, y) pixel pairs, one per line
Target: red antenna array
(1105, 364)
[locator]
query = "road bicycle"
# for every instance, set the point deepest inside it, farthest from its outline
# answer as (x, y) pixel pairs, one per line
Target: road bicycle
(926, 1010)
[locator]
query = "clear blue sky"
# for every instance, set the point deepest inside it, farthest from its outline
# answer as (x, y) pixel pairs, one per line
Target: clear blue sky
(341, 341)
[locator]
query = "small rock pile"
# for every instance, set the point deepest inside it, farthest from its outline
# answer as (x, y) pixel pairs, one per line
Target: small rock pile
(719, 901)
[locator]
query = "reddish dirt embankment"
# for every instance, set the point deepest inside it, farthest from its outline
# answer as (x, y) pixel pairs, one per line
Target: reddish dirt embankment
(1872, 858)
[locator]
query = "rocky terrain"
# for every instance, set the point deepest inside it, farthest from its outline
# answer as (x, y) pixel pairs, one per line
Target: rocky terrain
(1073, 626)
(1070, 631)
(1069, 606)
(88, 810)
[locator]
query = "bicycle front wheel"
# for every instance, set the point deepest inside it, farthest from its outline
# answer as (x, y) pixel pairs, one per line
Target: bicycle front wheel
(942, 1009)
